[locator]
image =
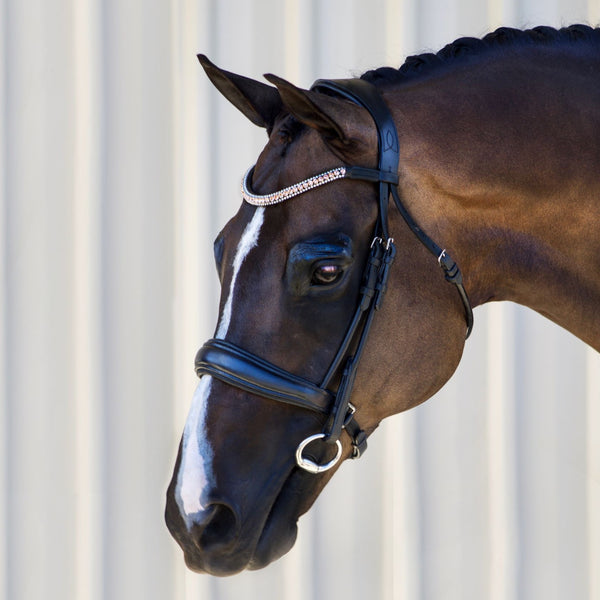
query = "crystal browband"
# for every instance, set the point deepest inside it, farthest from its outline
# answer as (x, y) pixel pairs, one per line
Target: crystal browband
(291, 191)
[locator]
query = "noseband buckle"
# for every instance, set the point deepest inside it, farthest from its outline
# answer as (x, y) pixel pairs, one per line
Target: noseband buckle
(349, 414)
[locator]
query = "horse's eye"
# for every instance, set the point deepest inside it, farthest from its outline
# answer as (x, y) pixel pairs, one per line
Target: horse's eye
(319, 267)
(284, 136)
(326, 274)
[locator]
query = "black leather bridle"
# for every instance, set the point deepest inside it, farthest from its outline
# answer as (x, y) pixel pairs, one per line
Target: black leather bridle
(237, 367)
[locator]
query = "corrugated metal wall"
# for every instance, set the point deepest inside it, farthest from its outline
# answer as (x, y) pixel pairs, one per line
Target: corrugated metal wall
(115, 174)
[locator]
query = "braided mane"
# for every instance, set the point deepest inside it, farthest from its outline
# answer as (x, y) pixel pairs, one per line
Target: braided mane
(468, 46)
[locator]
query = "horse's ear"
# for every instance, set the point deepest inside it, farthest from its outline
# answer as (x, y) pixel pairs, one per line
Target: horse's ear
(343, 124)
(261, 103)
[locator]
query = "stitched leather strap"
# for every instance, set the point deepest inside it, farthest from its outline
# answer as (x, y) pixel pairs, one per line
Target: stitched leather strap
(244, 370)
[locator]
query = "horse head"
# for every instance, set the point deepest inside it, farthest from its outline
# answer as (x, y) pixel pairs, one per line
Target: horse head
(308, 246)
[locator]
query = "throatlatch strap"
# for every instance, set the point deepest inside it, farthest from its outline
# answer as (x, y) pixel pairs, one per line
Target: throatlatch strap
(451, 271)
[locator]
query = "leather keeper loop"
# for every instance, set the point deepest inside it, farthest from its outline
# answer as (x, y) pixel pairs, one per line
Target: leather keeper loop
(340, 409)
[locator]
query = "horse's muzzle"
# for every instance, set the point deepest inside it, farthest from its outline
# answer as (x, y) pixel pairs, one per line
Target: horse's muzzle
(209, 539)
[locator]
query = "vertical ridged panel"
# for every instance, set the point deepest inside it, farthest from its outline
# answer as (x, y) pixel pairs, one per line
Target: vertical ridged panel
(119, 165)
(87, 291)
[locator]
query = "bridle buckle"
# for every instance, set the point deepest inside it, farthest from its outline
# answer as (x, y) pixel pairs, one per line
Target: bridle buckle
(349, 414)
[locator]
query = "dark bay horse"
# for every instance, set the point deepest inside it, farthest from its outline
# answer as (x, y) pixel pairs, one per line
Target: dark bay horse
(485, 156)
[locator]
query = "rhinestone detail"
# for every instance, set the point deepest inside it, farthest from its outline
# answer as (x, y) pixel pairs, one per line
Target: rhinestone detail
(289, 192)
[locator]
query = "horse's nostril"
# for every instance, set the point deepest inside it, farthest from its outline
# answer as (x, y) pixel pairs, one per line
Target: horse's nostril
(218, 529)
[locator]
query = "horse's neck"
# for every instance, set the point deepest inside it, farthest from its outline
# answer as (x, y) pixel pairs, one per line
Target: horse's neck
(509, 178)
(545, 257)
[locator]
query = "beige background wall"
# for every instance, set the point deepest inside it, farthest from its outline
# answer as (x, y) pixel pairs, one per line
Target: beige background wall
(115, 175)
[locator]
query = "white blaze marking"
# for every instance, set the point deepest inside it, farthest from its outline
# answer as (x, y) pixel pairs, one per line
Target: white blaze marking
(196, 453)
(248, 241)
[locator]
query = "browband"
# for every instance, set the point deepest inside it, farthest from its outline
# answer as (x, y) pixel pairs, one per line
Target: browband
(363, 173)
